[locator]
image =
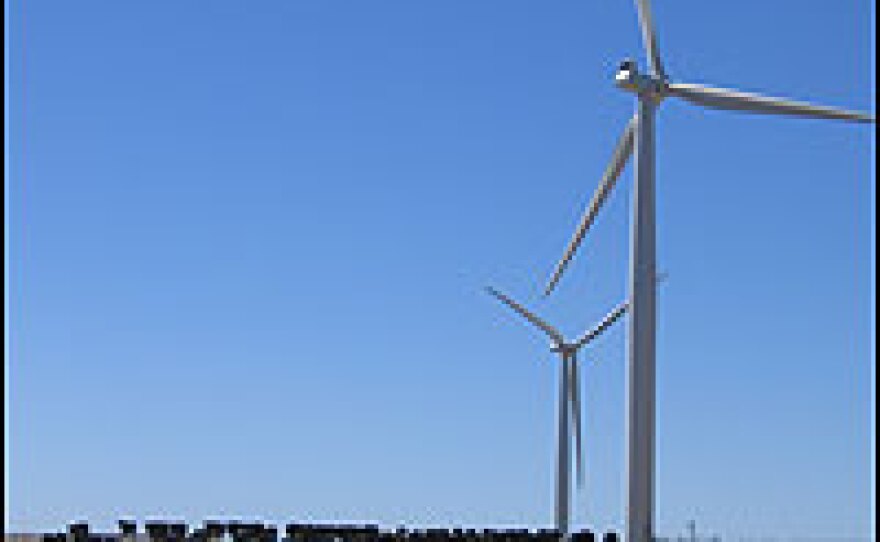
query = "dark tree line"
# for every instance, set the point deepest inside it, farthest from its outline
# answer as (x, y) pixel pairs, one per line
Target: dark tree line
(238, 531)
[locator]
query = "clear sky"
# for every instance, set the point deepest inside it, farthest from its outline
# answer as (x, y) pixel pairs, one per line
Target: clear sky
(248, 241)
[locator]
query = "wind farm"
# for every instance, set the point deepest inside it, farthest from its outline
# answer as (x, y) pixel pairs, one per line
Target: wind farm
(257, 257)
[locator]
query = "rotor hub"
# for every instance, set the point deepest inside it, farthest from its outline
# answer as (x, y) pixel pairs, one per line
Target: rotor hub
(629, 78)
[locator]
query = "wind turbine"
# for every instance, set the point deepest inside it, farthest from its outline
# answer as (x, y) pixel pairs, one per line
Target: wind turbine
(569, 398)
(650, 90)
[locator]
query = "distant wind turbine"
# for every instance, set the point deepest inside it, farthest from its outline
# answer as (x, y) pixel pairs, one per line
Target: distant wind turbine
(569, 398)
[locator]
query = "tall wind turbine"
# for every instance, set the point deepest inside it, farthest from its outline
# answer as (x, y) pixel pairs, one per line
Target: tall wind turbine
(569, 399)
(650, 89)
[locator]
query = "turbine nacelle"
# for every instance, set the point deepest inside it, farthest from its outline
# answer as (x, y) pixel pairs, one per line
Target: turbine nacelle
(563, 348)
(628, 77)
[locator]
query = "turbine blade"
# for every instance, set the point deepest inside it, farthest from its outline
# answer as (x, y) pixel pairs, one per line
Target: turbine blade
(734, 100)
(606, 322)
(528, 315)
(621, 155)
(576, 420)
(612, 317)
(646, 22)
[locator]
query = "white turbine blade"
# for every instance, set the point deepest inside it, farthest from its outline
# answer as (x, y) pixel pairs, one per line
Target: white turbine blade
(612, 317)
(646, 22)
(621, 155)
(576, 420)
(606, 322)
(734, 100)
(525, 313)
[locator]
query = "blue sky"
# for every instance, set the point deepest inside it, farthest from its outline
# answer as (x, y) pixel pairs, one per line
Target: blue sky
(247, 242)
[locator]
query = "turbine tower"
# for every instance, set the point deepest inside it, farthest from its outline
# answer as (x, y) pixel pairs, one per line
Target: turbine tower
(650, 89)
(569, 399)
